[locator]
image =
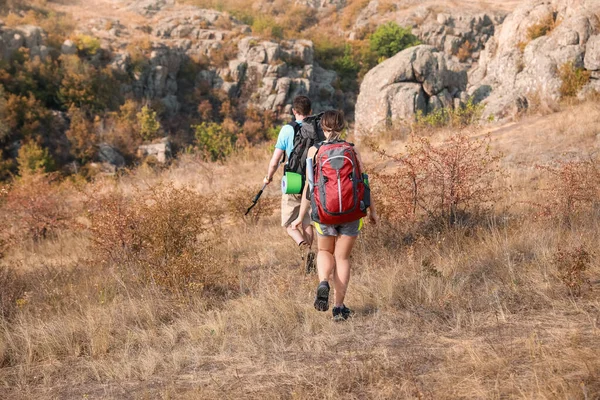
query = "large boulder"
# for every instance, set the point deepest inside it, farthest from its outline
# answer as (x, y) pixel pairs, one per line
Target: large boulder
(517, 66)
(161, 151)
(404, 85)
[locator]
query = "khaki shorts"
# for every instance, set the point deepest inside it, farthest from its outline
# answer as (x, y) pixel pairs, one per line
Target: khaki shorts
(290, 209)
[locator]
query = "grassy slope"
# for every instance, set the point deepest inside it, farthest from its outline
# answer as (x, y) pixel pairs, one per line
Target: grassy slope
(478, 314)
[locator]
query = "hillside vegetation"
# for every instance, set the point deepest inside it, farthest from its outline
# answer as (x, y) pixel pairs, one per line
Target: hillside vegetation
(483, 284)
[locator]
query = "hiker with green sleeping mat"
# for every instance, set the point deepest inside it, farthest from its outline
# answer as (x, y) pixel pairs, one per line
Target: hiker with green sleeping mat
(293, 143)
(339, 197)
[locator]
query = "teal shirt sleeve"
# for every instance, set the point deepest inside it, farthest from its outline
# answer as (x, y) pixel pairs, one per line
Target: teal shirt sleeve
(285, 140)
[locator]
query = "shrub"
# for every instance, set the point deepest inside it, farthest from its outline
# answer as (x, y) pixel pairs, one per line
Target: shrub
(571, 266)
(148, 124)
(390, 39)
(458, 118)
(33, 159)
(33, 208)
(574, 188)
(265, 25)
(163, 236)
(541, 28)
(85, 86)
(573, 79)
(87, 45)
(439, 184)
(213, 141)
(27, 118)
(81, 136)
(465, 51)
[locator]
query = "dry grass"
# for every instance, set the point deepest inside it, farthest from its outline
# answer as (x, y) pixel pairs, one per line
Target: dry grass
(483, 311)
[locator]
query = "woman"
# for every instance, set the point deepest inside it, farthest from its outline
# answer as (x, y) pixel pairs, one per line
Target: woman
(335, 241)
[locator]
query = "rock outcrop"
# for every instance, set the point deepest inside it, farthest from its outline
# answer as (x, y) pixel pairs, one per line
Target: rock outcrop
(29, 37)
(517, 66)
(461, 35)
(161, 151)
(418, 79)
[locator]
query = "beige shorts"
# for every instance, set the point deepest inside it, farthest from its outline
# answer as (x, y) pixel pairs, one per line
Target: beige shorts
(290, 209)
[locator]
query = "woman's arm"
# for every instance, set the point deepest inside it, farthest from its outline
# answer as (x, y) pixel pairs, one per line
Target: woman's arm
(304, 202)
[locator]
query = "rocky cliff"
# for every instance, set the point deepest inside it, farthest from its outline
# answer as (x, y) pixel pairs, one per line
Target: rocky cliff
(512, 62)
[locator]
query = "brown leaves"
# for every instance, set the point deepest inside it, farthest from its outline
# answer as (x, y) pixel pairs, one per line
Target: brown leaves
(439, 183)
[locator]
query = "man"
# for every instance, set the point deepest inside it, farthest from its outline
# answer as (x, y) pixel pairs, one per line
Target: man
(290, 203)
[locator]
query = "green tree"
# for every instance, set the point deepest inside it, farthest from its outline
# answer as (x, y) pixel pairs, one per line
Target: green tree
(148, 123)
(390, 39)
(214, 141)
(33, 158)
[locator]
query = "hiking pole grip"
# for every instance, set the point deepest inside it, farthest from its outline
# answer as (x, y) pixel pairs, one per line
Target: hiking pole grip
(259, 194)
(255, 200)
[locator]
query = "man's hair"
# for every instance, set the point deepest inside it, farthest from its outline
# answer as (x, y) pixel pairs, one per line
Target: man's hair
(333, 121)
(302, 105)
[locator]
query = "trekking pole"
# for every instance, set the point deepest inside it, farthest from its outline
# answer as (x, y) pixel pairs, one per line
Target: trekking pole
(255, 200)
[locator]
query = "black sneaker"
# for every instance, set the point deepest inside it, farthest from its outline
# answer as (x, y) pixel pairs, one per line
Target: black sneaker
(310, 263)
(322, 299)
(341, 313)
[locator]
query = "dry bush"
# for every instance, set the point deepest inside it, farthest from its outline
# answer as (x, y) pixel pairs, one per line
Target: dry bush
(573, 79)
(350, 12)
(440, 184)
(164, 236)
(33, 208)
(571, 266)
(221, 56)
(465, 51)
(542, 28)
(574, 188)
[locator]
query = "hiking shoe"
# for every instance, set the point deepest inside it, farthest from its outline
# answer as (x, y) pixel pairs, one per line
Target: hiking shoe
(309, 265)
(322, 299)
(341, 313)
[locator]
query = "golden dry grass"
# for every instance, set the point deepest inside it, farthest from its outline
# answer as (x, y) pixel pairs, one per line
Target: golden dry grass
(472, 312)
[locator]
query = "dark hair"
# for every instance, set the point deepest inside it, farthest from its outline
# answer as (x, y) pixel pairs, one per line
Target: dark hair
(333, 121)
(302, 105)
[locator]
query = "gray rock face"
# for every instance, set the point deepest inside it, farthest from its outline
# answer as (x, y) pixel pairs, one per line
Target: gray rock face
(25, 36)
(460, 35)
(107, 154)
(513, 67)
(592, 54)
(416, 79)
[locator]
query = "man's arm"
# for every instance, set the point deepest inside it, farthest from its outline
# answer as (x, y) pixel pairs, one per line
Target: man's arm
(277, 155)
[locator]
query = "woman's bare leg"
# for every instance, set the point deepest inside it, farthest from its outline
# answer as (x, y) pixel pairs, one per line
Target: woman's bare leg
(341, 274)
(325, 258)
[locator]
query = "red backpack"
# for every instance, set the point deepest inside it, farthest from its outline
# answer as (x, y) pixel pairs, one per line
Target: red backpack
(338, 193)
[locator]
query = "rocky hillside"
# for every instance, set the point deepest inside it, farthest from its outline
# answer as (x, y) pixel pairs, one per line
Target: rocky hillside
(237, 69)
(539, 53)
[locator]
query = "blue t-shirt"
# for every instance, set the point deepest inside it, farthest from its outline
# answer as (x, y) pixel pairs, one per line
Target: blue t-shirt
(285, 140)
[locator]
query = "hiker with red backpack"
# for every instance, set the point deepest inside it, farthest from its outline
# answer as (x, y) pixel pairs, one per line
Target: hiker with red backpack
(293, 141)
(339, 197)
